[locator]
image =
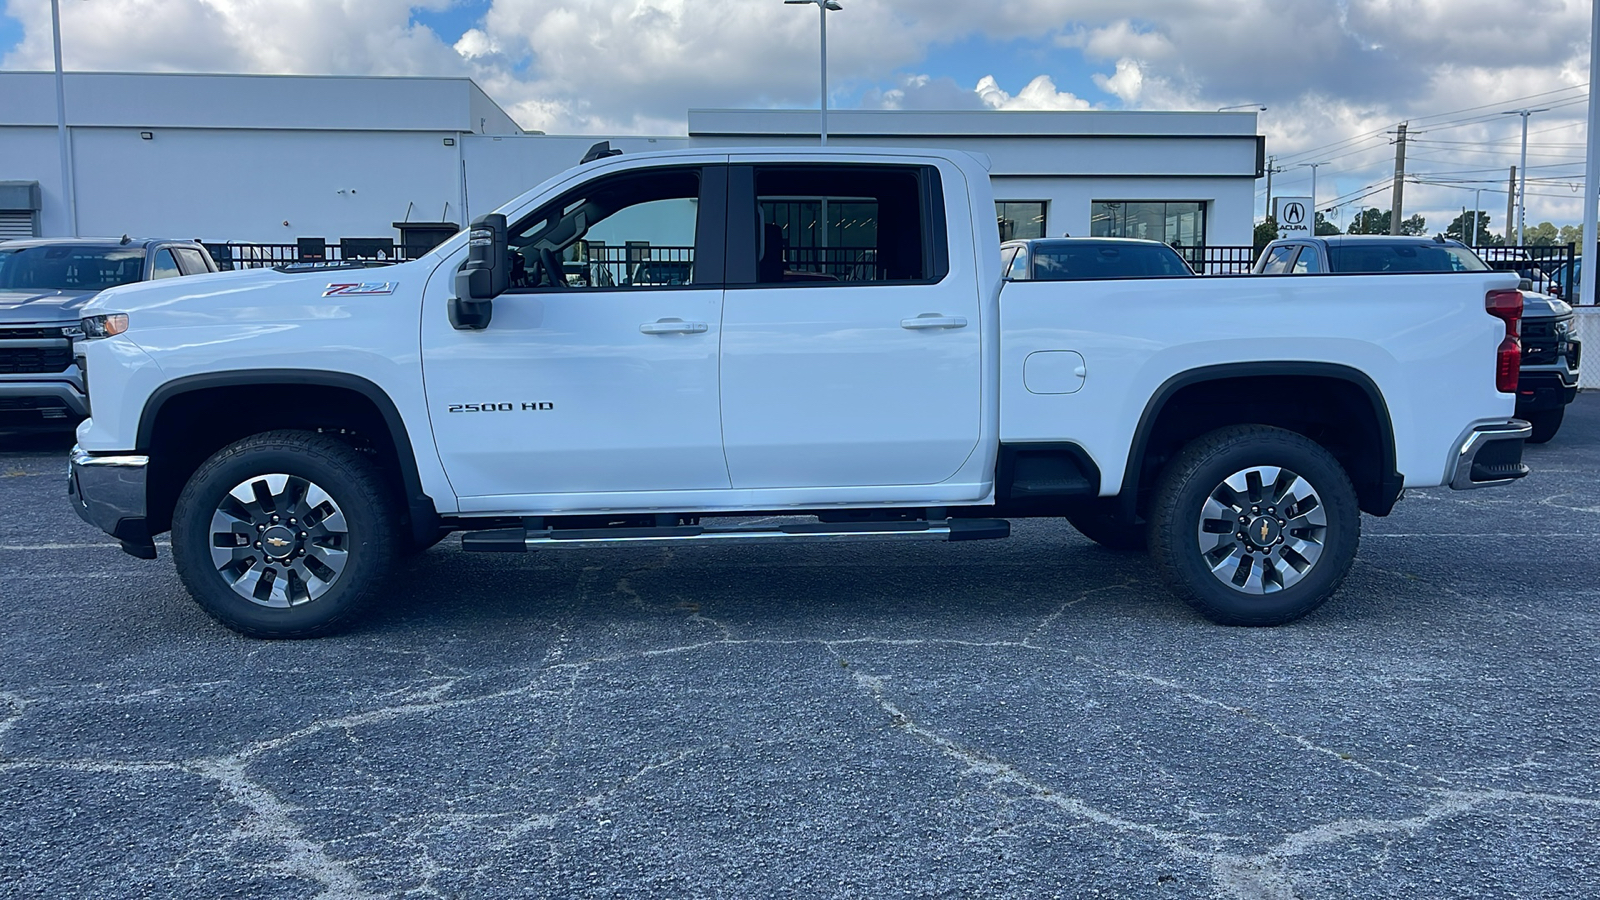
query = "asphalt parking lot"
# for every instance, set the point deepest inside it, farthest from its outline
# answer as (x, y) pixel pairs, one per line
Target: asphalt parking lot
(1031, 717)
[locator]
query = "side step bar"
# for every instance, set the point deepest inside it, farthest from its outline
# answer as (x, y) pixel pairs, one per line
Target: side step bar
(520, 540)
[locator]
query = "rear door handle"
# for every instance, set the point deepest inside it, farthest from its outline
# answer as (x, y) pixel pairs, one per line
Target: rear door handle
(934, 320)
(673, 326)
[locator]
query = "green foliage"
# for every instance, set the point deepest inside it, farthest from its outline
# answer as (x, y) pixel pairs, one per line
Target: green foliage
(1266, 233)
(1543, 234)
(1376, 221)
(1324, 226)
(1460, 228)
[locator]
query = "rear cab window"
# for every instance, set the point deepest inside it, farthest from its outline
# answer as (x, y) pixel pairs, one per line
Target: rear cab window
(836, 224)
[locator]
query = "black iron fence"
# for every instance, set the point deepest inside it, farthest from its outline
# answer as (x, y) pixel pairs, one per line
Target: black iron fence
(234, 255)
(640, 264)
(1549, 268)
(1224, 260)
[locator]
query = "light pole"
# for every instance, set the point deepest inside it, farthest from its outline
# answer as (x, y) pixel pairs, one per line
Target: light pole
(1522, 186)
(1313, 168)
(61, 124)
(1477, 204)
(823, 8)
(1591, 155)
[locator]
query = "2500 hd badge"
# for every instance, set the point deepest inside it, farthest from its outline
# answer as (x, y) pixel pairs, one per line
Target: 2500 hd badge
(501, 407)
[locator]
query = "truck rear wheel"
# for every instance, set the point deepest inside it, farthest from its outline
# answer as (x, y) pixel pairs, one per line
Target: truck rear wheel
(1545, 422)
(1253, 525)
(284, 534)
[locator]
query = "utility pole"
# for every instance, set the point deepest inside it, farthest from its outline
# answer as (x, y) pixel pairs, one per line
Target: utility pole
(1270, 170)
(1477, 205)
(1511, 205)
(1522, 200)
(1399, 181)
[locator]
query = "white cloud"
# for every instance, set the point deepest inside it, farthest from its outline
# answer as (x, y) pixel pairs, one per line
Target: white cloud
(1040, 93)
(1329, 70)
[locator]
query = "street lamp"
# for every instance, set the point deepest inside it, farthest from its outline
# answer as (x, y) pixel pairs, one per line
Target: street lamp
(824, 7)
(61, 124)
(1258, 107)
(1522, 185)
(1313, 168)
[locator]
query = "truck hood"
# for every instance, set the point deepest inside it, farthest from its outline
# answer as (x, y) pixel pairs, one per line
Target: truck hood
(204, 294)
(43, 306)
(1540, 306)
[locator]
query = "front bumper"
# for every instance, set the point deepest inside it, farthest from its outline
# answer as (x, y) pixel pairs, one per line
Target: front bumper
(108, 492)
(1489, 455)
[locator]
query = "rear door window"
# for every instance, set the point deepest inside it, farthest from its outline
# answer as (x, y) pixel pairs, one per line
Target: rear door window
(164, 265)
(1279, 260)
(1019, 266)
(190, 260)
(1307, 263)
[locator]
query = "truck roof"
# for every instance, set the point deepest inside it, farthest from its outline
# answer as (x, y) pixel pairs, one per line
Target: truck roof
(95, 242)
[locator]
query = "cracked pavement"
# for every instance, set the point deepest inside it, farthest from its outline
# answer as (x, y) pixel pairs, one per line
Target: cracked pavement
(1020, 718)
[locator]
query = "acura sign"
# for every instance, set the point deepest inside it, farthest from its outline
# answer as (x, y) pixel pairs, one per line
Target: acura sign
(1295, 215)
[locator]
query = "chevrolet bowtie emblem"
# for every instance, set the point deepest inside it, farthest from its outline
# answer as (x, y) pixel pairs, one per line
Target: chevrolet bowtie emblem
(1263, 531)
(280, 542)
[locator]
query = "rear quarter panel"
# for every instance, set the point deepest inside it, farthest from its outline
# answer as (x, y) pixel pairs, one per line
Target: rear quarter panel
(1424, 340)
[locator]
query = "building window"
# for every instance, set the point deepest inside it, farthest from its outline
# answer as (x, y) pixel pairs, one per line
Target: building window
(1020, 219)
(1180, 224)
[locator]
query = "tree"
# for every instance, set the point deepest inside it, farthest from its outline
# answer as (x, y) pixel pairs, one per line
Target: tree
(1543, 234)
(1376, 221)
(1324, 226)
(1266, 233)
(1572, 234)
(1462, 225)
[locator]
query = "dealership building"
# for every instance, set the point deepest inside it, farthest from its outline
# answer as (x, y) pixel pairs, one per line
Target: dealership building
(321, 160)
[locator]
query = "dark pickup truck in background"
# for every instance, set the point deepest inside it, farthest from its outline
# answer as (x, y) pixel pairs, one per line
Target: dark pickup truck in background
(44, 284)
(1548, 380)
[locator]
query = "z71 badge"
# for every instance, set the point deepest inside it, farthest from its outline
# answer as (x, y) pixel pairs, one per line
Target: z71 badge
(366, 287)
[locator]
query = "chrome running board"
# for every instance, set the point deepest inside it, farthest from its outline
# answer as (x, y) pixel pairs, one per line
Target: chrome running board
(520, 540)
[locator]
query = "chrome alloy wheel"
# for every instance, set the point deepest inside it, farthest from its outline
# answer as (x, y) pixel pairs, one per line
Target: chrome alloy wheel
(1262, 529)
(279, 540)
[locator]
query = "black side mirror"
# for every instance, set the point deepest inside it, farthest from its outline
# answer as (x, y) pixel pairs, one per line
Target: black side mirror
(484, 276)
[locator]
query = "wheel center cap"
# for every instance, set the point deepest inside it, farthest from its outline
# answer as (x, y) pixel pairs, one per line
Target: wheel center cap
(1264, 531)
(278, 542)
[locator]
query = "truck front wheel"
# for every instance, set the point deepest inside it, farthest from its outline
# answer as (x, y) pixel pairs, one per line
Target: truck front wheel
(284, 534)
(1253, 525)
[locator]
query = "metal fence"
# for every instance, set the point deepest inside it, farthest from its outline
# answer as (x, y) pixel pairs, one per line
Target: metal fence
(233, 255)
(1549, 268)
(1224, 260)
(639, 264)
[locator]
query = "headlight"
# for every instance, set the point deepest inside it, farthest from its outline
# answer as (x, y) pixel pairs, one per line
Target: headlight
(109, 325)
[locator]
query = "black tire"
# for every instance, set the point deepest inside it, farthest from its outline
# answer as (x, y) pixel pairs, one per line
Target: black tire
(1097, 522)
(366, 511)
(1545, 422)
(1178, 517)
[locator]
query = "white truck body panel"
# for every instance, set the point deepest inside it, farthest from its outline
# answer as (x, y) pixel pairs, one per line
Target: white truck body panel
(792, 397)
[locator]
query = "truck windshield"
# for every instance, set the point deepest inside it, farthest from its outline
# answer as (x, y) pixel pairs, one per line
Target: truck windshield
(69, 268)
(1083, 261)
(1374, 258)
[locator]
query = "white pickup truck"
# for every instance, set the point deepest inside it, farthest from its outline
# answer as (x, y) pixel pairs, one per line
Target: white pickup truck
(653, 349)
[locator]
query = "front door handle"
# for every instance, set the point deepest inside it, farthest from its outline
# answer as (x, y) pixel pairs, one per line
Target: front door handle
(934, 320)
(673, 326)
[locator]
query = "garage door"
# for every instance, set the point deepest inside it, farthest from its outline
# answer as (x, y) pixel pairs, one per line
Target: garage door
(16, 224)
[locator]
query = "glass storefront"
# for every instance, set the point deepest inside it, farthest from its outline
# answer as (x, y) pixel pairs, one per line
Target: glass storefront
(1020, 219)
(1177, 223)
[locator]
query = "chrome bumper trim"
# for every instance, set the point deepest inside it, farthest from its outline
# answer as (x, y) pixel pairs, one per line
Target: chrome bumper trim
(108, 492)
(1473, 442)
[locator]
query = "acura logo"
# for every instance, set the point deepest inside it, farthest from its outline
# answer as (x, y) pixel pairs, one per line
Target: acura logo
(1294, 213)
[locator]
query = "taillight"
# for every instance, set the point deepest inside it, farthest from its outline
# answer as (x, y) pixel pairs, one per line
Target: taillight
(1507, 307)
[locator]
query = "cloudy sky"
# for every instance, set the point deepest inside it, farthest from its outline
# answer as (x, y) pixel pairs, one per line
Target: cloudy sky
(1336, 76)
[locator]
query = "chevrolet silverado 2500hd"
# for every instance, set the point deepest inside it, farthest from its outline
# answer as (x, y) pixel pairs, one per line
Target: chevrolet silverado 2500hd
(645, 347)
